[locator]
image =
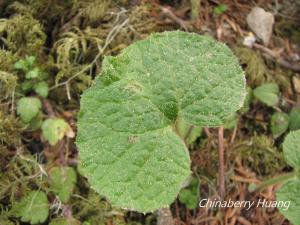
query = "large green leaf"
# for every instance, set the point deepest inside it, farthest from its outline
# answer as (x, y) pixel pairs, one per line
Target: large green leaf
(294, 123)
(291, 149)
(128, 148)
(32, 208)
(289, 192)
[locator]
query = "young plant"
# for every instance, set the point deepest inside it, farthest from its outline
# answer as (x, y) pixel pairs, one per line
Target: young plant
(54, 129)
(34, 76)
(29, 107)
(289, 191)
(32, 208)
(279, 123)
(220, 9)
(267, 94)
(129, 149)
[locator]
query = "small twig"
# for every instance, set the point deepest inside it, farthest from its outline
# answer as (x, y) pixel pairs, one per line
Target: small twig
(221, 163)
(48, 108)
(271, 55)
(275, 180)
(61, 148)
(168, 13)
(207, 132)
(294, 103)
(243, 221)
(234, 134)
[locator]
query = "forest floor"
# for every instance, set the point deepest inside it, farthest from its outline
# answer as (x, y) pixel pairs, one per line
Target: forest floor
(62, 44)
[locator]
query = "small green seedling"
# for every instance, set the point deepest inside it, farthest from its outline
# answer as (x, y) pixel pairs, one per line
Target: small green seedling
(54, 129)
(29, 108)
(267, 94)
(279, 123)
(62, 182)
(33, 208)
(220, 9)
(26, 64)
(34, 76)
(129, 148)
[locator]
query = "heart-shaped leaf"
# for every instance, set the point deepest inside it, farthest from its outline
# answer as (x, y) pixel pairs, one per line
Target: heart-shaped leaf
(128, 147)
(42, 89)
(54, 129)
(290, 190)
(28, 108)
(279, 123)
(267, 93)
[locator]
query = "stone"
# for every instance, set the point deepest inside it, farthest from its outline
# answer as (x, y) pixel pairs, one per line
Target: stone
(261, 23)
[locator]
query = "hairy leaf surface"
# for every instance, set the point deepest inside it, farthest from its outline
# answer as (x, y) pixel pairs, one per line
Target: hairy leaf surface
(291, 149)
(63, 180)
(28, 108)
(32, 208)
(267, 93)
(128, 148)
(290, 192)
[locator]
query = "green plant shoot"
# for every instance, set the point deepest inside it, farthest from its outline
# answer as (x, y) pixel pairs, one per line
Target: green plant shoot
(129, 149)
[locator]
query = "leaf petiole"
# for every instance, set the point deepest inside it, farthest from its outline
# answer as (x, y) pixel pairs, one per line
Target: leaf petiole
(272, 181)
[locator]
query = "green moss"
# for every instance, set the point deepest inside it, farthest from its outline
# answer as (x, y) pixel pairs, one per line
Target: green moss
(10, 130)
(260, 155)
(7, 60)
(94, 10)
(288, 29)
(8, 83)
(255, 67)
(22, 34)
